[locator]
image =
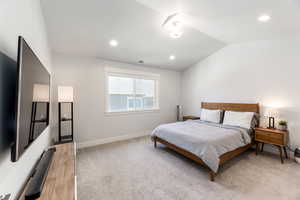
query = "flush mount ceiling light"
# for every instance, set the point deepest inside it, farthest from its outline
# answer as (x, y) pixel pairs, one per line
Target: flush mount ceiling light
(264, 18)
(173, 25)
(172, 57)
(113, 43)
(176, 34)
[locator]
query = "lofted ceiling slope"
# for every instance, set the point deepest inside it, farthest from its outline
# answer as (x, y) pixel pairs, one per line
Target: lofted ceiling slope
(85, 27)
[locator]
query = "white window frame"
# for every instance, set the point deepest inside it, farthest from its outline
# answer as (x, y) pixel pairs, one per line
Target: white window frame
(111, 71)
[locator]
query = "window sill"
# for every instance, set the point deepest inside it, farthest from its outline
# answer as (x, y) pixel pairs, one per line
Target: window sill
(114, 113)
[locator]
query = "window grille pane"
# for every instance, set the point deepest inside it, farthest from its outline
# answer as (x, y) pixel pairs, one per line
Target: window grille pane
(145, 93)
(120, 90)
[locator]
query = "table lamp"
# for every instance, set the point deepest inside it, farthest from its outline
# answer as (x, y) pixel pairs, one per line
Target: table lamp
(272, 113)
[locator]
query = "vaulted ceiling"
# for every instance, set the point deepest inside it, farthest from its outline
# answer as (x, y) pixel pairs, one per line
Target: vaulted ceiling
(85, 27)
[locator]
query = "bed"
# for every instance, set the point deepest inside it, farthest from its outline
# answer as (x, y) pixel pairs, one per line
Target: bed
(207, 143)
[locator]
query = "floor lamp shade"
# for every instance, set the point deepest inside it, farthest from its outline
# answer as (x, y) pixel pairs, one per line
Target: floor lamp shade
(41, 93)
(65, 94)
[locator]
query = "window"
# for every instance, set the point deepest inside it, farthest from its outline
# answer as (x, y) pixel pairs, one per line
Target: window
(131, 91)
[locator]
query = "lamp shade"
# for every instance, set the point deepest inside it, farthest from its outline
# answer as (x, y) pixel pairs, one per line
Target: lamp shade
(65, 94)
(41, 93)
(271, 112)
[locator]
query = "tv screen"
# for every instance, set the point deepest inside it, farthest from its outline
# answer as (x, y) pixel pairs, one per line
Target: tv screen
(33, 99)
(8, 99)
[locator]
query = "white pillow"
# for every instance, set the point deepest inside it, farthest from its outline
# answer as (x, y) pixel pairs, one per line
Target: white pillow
(241, 119)
(211, 115)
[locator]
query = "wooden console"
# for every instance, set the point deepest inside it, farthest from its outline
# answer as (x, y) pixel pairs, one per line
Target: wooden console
(61, 180)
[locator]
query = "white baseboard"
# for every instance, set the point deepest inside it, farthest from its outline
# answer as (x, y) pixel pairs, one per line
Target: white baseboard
(91, 143)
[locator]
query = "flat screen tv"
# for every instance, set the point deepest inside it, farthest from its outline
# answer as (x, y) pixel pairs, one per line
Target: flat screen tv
(8, 98)
(33, 101)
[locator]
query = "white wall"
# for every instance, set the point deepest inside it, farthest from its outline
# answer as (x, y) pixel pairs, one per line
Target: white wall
(86, 75)
(19, 17)
(266, 72)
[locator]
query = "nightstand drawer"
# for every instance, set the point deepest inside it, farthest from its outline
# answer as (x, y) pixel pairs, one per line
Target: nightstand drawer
(267, 137)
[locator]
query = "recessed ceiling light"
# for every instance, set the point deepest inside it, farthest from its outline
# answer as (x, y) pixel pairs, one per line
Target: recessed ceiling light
(172, 57)
(264, 18)
(141, 62)
(113, 43)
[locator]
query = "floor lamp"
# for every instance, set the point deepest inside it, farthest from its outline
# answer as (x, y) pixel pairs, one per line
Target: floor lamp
(65, 96)
(39, 109)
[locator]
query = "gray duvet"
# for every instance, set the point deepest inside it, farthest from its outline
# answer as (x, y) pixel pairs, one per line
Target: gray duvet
(206, 140)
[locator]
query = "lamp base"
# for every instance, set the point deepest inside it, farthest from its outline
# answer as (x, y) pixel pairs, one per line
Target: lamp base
(271, 123)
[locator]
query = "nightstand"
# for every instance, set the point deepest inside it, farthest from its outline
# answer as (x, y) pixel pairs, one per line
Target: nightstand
(184, 118)
(272, 136)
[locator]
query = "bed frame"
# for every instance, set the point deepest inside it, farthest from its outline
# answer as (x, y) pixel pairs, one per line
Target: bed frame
(225, 157)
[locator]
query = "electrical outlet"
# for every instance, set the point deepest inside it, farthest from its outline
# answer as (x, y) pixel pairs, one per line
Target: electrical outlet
(5, 197)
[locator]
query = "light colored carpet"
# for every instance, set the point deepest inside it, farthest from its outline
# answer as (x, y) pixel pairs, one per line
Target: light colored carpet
(134, 170)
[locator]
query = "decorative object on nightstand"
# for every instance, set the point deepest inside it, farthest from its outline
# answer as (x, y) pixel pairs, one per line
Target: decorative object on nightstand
(272, 136)
(179, 112)
(282, 125)
(190, 117)
(272, 113)
(65, 97)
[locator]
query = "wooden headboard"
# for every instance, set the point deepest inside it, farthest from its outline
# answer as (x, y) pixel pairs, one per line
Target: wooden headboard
(241, 107)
